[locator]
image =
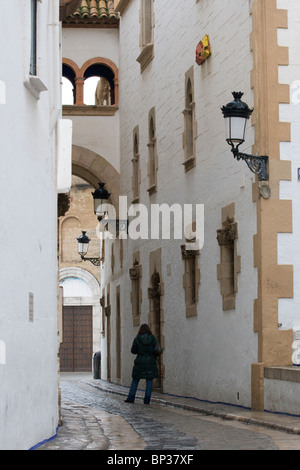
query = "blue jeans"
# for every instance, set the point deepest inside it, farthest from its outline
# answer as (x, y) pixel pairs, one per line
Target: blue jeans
(133, 389)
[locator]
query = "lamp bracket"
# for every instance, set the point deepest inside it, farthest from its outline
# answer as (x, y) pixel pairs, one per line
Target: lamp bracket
(94, 261)
(257, 164)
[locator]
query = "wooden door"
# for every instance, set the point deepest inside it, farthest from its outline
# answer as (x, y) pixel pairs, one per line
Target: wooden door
(77, 347)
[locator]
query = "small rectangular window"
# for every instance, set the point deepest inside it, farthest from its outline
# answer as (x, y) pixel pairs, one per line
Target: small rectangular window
(33, 49)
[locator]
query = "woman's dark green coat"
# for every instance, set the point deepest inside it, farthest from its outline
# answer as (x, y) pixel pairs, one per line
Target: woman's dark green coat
(145, 365)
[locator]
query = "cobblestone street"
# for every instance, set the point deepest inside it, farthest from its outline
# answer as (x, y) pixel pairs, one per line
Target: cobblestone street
(98, 419)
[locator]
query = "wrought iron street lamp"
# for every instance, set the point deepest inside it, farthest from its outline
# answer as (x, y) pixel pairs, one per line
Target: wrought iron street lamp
(100, 196)
(83, 246)
(236, 114)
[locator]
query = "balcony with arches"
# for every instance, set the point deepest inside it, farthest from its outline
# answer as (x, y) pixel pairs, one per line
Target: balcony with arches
(92, 89)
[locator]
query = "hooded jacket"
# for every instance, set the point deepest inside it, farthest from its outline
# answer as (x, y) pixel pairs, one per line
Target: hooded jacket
(145, 365)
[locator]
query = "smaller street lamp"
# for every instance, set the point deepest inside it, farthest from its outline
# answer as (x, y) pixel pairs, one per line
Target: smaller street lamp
(83, 246)
(236, 114)
(100, 197)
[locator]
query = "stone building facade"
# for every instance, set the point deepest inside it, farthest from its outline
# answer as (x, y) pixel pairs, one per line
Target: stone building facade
(226, 316)
(226, 312)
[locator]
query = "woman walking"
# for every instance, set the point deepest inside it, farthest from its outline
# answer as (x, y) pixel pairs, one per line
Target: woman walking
(145, 365)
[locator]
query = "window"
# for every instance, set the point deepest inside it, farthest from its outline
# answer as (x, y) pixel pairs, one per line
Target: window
(146, 22)
(136, 167)
(33, 82)
(191, 279)
(95, 85)
(230, 263)
(33, 48)
(152, 153)
(69, 85)
(146, 33)
(99, 87)
(189, 151)
(136, 294)
(189, 135)
(102, 304)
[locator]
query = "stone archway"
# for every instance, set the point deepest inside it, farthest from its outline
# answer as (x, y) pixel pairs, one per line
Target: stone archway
(86, 276)
(93, 299)
(94, 169)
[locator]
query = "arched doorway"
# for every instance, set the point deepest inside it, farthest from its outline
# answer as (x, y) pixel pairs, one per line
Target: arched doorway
(80, 319)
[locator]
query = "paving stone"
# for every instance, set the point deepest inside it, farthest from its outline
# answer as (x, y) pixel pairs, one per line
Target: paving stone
(95, 419)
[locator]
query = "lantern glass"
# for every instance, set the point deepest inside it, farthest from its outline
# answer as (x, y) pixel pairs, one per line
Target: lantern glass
(83, 248)
(100, 197)
(235, 129)
(98, 209)
(83, 244)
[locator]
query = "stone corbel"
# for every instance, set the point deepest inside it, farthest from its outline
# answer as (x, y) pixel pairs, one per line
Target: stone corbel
(154, 292)
(135, 272)
(228, 234)
(188, 254)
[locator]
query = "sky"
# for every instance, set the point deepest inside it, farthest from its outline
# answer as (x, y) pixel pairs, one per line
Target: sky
(89, 91)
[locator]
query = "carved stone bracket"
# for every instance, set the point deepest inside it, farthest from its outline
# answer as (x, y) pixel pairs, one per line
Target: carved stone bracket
(188, 254)
(228, 233)
(154, 292)
(135, 272)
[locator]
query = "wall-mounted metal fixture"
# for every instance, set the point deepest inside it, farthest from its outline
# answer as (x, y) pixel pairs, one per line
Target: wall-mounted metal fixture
(236, 114)
(83, 246)
(100, 196)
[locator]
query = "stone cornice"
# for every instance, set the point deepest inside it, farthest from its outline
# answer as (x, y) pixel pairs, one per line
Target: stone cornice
(89, 110)
(120, 5)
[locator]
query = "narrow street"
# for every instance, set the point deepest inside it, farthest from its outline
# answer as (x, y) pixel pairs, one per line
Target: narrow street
(95, 419)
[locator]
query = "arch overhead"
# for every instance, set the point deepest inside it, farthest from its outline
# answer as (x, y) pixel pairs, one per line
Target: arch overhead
(84, 275)
(95, 169)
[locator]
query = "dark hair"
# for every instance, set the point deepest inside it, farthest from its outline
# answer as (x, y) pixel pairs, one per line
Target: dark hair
(144, 329)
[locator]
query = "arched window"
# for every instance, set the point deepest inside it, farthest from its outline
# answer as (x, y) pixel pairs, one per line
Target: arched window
(189, 143)
(136, 166)
(99, 85)
(189, 135)
(68, 85)
(95, 83)
(67, 91)
(152, 154)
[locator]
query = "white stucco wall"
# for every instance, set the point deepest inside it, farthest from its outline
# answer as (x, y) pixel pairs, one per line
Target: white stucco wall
(28, 209)
(99, 134)
(208, 356)
(288, 244)
(102, 43)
